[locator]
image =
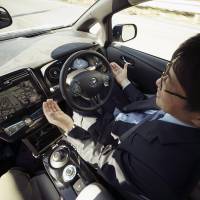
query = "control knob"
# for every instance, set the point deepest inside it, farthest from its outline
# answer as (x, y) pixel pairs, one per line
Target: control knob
(69, 173)
(59, 158)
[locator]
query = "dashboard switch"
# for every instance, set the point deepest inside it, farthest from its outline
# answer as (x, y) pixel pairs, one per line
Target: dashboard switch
(69, 173)
(11, 130)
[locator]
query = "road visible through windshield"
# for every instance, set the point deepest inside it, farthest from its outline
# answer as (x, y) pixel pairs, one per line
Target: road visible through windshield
(28, 14)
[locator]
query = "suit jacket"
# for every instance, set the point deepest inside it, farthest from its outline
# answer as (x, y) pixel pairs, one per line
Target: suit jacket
(157, 161)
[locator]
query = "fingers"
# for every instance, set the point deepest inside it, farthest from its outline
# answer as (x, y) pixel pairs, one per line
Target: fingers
(114, 66)
(50, 106)
(50, 103)
(56, 107)
(126, 66)
(45, 107)
(116, 69)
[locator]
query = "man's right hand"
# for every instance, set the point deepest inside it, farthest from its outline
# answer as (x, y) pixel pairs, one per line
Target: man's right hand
(120, 74)
(56, 116)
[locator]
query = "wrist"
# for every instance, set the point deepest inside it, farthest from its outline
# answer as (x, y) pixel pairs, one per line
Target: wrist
(125, 83)
(68, 129)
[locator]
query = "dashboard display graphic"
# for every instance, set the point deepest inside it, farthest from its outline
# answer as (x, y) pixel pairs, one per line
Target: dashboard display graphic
(16, 98)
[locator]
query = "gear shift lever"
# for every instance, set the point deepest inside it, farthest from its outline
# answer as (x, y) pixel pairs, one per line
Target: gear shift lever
(59, 157)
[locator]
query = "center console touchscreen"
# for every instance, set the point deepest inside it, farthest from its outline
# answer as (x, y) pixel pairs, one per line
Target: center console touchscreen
(18, 97)
(21, 115)
(20, 94)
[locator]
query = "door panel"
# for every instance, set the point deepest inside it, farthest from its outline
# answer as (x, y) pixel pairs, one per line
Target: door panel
(145, 68)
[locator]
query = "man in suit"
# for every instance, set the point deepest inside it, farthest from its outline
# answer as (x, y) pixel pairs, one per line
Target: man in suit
(158, 158)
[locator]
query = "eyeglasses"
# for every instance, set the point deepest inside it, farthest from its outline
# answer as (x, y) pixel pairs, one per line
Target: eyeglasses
(164, 77)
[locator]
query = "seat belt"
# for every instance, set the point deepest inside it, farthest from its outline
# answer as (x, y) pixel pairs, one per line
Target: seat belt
(132, 132)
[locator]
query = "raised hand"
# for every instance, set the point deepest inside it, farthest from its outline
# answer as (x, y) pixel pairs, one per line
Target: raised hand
(119, 73)
(56, 116)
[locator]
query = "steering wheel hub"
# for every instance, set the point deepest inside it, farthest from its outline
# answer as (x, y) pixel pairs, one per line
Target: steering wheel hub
(93, 82)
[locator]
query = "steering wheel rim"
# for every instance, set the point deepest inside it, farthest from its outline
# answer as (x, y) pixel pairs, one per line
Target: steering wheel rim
(66, 90)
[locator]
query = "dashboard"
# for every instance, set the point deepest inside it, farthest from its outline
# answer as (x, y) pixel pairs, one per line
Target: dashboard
(51, 71)
(30, 67)
(23, 91)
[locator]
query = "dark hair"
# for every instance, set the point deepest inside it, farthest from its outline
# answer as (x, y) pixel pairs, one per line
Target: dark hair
(187, 70)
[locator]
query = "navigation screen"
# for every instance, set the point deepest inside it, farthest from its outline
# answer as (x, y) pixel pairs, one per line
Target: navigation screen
(17, 98)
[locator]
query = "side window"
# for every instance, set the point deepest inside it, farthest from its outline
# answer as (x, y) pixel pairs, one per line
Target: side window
(162, 25)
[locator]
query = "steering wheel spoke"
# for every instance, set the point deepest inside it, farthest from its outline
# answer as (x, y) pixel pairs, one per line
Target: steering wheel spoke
(106, 81)
(96, 100)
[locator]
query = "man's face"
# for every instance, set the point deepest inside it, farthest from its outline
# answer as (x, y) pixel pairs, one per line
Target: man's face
(170, 96)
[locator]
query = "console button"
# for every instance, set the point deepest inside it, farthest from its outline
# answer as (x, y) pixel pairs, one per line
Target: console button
(69, 173)
(79, 185)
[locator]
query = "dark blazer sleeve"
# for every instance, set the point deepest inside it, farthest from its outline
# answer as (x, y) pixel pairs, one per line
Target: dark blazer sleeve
(133, 94)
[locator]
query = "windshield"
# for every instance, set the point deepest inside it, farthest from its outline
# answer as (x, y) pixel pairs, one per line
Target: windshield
(33, 14)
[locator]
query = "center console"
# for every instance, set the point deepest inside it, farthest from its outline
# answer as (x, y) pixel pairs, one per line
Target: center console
(67, 170)
(21, 97)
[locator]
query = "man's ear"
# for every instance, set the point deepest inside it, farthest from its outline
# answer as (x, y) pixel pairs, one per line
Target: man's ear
(196, 120)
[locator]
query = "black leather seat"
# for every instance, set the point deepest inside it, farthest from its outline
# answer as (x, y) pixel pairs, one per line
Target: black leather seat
(17, 185)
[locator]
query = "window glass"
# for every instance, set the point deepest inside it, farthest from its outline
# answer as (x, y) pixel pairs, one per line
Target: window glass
(162, 25)
(40, 14)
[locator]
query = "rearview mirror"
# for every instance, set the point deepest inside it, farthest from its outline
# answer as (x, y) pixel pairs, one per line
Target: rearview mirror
(124, 32)
(5, 18)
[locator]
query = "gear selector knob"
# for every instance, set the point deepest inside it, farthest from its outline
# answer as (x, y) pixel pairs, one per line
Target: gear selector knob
(59, 157)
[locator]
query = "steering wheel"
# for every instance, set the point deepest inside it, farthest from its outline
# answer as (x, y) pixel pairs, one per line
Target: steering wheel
(86, 88)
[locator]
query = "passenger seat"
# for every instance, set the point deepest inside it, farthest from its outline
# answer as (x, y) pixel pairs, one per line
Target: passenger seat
(17, 185)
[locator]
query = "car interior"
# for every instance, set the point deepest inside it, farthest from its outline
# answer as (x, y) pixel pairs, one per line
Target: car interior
(63, 65)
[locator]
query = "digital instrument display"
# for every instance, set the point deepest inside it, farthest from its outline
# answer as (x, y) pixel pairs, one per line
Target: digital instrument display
(80, 63)
(16, 98)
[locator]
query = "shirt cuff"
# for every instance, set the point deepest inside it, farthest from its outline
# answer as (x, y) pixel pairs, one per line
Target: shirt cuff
(67, 132)
(125, 83)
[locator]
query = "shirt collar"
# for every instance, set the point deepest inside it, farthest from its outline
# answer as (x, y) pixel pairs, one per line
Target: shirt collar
(171, 119)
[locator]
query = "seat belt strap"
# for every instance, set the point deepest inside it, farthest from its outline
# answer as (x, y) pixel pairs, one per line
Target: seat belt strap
(132, 132)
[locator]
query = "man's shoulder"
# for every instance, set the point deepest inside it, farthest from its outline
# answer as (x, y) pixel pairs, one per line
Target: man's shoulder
(169, 133)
